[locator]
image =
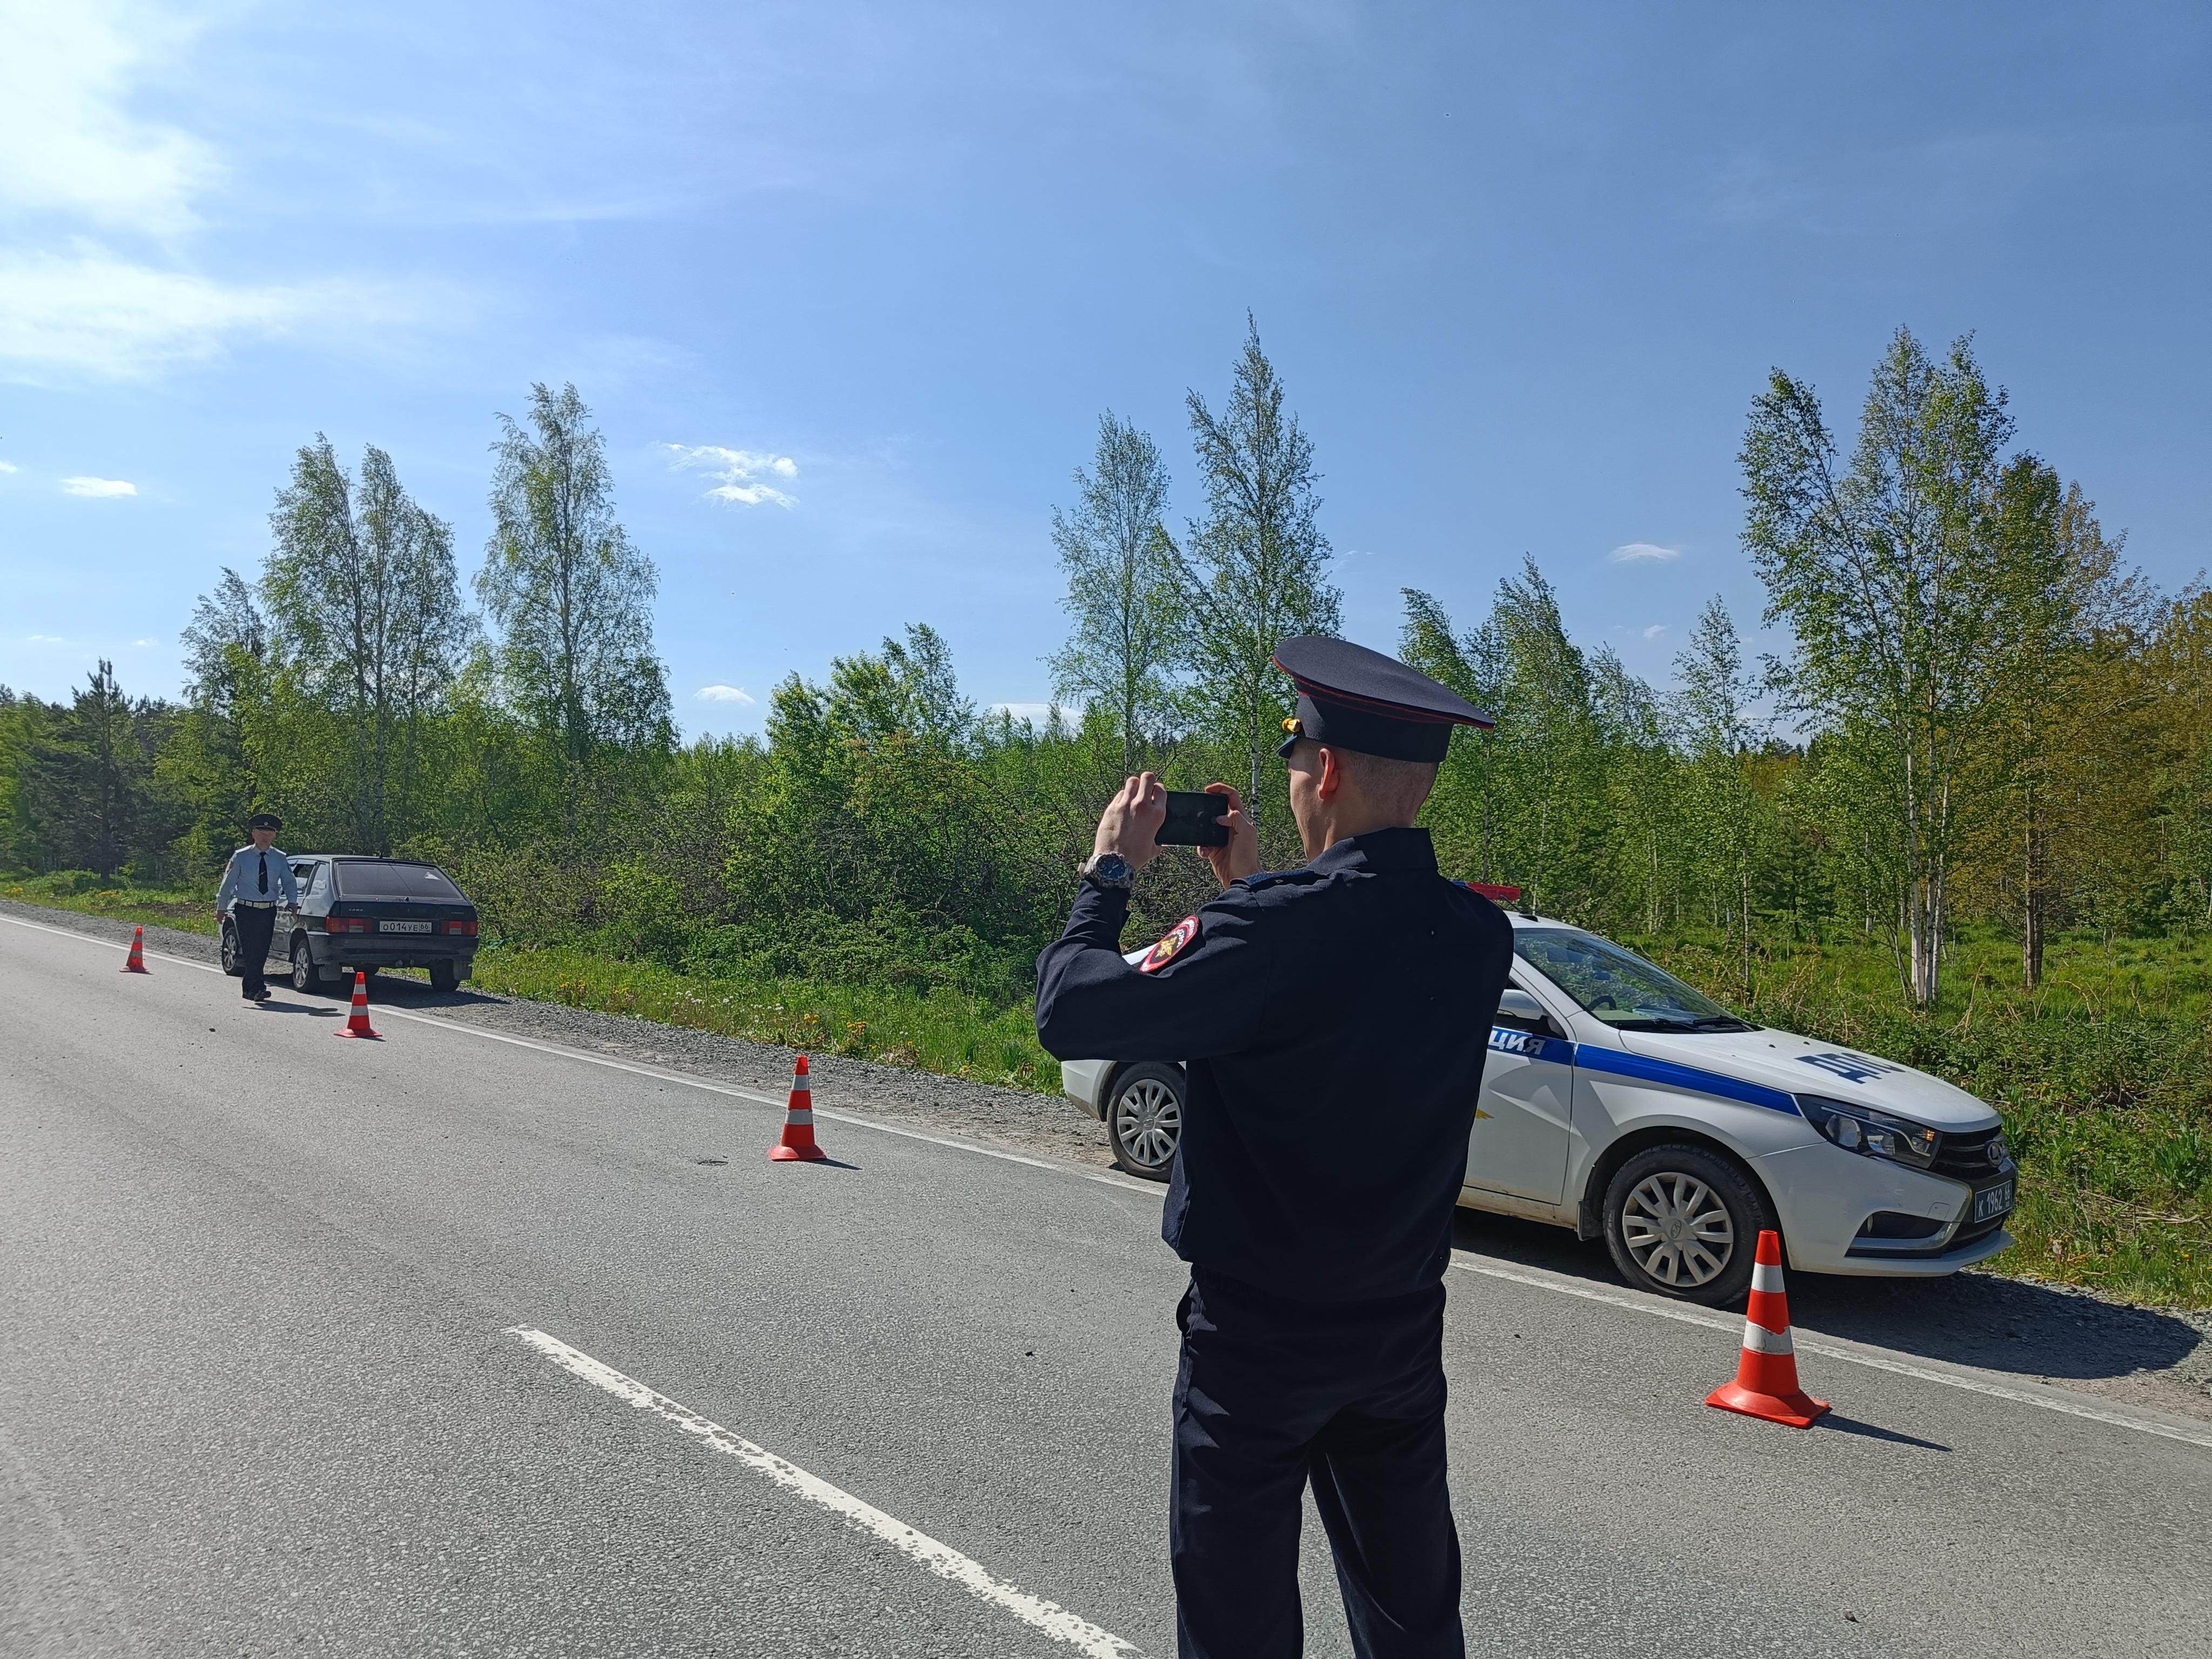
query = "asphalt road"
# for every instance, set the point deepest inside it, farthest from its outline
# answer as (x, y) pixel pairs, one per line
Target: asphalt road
(260, 1389)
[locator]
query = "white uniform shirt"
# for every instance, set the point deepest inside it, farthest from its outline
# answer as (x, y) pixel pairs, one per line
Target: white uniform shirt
(242, 883)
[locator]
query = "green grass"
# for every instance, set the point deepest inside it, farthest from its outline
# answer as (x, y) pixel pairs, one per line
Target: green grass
(190, 910)
(942, 1031)
(2103, 1077)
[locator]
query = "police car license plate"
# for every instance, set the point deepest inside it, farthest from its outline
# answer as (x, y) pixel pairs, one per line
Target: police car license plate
(1992, 1201)
(403, 926)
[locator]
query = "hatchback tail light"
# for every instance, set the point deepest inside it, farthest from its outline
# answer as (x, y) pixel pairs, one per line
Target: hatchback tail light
(468, 927)
(351, 925)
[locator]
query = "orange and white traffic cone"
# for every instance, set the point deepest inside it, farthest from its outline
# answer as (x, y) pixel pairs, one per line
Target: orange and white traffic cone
(798, 1145)
(1767, 1373)
(136, 961)
(357, 1023)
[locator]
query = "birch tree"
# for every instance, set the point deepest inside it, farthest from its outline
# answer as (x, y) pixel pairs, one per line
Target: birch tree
(1644, 789)
(1255, 571)
(1128, 625)
(2180, 669)
(571, 595)
(362, 591)
(1717, 731)
(2067, 692)
(1890, 574)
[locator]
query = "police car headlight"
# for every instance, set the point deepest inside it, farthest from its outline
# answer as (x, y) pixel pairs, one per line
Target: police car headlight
(1863, 1130)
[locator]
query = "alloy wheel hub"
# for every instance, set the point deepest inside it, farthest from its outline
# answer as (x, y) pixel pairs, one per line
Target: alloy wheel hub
(1677, 1230)
(1148, 1120)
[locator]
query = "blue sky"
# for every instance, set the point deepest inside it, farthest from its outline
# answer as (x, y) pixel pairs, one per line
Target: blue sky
(1523, 268)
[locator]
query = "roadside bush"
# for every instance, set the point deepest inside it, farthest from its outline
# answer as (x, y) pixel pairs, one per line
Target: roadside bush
(524, 893)
(892, 949)
(644, 915)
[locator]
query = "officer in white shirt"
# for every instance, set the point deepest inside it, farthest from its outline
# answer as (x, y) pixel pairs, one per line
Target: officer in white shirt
(257, 879)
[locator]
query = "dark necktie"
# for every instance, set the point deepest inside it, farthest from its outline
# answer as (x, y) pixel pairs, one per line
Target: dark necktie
(265, 872)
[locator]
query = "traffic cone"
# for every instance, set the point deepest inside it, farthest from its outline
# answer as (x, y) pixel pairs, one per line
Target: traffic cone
(357, 1023)
(1767, 1373)
(798, 1145)
(136, 963)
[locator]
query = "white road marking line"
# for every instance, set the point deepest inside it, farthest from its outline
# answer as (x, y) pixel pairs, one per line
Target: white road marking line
(1103, 1177)
(1857, 1354)
(1860, 1353)
(108, 943)
(942, 1559)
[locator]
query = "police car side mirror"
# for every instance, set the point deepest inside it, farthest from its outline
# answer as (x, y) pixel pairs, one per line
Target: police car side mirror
(1523, 1012)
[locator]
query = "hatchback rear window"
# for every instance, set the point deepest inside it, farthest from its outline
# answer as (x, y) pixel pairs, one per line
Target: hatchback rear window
(364, 878)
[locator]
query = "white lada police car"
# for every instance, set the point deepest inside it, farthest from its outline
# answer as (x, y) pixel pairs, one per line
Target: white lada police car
(1619, 1100)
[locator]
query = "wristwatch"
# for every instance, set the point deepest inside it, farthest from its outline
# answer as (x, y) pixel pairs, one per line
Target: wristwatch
(1108, 870)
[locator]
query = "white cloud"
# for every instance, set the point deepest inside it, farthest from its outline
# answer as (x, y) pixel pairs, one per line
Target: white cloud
(70, 144)
(99, 486)
(1632, 552)
(92, 312)
(97, 204)
(743, 472)
(1655, 631)
(45, 638)
(6, 467)
(736, 694)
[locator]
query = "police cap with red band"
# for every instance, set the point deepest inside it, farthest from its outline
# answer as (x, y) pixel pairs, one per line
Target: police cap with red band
(1349, 698)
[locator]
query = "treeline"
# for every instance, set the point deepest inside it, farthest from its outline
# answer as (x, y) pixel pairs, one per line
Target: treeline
(1985, 716)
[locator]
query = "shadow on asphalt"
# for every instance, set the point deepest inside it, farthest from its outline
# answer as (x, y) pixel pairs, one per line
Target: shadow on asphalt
(1852, 1426)
(1968, 1319)
(398, 989)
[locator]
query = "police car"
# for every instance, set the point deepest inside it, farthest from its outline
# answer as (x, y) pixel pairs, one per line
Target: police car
(1620, 1102)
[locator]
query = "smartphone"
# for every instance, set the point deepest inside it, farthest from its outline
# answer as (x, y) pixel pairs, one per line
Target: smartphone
(1193, 820)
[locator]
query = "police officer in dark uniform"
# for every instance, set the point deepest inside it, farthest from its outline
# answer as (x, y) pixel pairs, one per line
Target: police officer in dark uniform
(1333, 1021)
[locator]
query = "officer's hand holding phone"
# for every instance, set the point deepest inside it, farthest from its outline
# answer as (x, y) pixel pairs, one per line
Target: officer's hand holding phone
(1134, 821)
(1239, 853)
(1130, 824)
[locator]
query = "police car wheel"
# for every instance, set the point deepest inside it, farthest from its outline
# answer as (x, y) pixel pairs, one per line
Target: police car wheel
(1683, 1221)
(229, 952)
(1144, 1118)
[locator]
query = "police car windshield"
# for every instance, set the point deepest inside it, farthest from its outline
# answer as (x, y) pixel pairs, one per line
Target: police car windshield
(1619, 988)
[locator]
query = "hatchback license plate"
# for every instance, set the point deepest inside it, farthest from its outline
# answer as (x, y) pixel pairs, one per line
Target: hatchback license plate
(403, 926)
(1992, 1201)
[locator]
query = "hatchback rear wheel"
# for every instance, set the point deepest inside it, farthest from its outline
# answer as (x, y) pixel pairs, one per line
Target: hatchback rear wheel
(1144, 1118)
(1683, 1221)
(306, 976)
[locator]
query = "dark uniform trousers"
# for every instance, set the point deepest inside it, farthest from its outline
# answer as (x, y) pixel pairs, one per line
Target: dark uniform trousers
(257, 926)
(1272, 1393)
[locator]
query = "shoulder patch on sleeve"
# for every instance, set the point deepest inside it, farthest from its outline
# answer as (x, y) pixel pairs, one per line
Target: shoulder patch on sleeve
(1179, 939)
